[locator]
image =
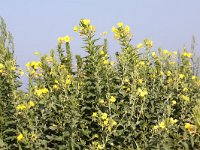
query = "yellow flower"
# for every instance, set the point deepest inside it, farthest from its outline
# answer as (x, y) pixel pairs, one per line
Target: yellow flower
(187, 125)
(166, 52)
(67, 39)
(116, 36)
(128, 90)
(49, 59)
(120, 24)
(21, 107)
(169, 73)
(60, 40)
(67, 81)
(113, 123)
(188, 55)
(127, 29)
(185, 89)
(69, 76)
(173, 102)
(173, 121)
(161, 73)
(99, 147)
(104, 116)
(40, 92)
(126, 80)
(112, 99)
(45, 90)
(175, 52)
(102, 52)
(142, 93)
(28, 64)
(20, 137)
(112, 63)
(148, 43)
(181, 76)
(31, 104)
(36, 53)
(155, 127)
(92, 28)
(32, 72)
(86, 22)
(109, 128)
(101, 101)
(194, 77)
(105, 122)
(152, 76)
(142, 63)
(96, 136)
(171, 62)
(186, 98)
(169, 80)
(140, 81)
(40, 75)
(114, 30)
(105, 62)
(162, 125)
(140, 45)
(21, 73)
(94, 114)
(153, 54)
(76, 28)
(103, 33)
(191, 128)
(55, 87)
(106, 55)
(94, 143)
(1, 66)
(13, 68)
(34, 64)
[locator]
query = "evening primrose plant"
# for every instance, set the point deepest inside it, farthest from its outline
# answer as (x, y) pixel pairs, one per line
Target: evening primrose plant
(146, 99)
(9, 83)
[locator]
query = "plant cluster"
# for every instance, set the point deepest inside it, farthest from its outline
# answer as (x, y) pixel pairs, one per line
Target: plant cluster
(146, 99)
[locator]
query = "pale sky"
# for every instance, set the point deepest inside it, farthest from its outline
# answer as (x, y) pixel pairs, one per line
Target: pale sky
(37, 24)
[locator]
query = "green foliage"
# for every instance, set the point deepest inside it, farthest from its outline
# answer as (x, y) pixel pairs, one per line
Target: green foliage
(145, 100)
(8, 87)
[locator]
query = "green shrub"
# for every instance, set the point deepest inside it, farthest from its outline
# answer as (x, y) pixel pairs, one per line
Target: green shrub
(8, 87)
(145, 100)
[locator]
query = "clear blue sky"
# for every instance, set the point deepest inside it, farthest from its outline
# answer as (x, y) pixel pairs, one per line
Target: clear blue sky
(36, 24)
